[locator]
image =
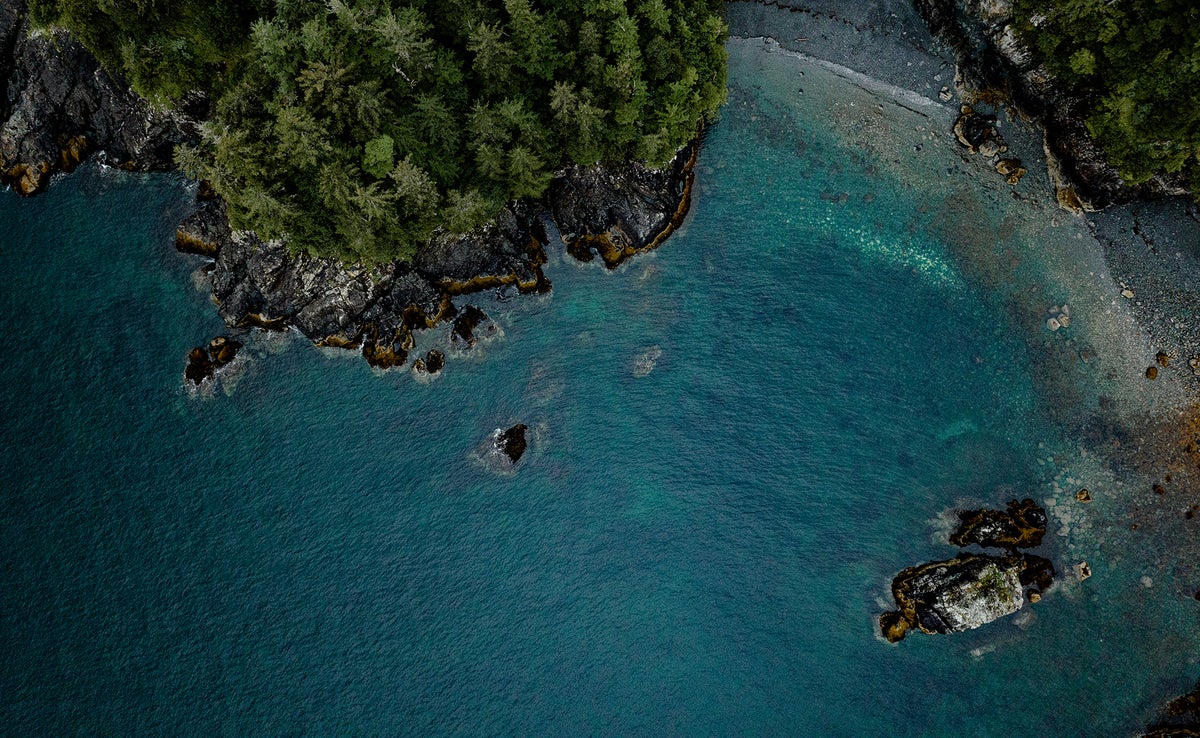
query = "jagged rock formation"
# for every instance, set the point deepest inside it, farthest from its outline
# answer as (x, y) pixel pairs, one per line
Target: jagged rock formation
(994, 62)
(1022, 525)
(974, 589)
(512, 442)
(620, 211)
(204, 361)
(59, 106)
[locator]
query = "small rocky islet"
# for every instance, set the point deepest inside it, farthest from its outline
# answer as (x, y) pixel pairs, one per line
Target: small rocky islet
(204, 361)
(972, 589)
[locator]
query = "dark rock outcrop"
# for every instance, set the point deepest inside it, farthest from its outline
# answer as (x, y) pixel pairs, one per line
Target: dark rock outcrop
(206, 229)
(469, 319)
(978, 132)
(431, 365)
(59, 106)
(511, 442)
(962, 593)
(204, 361)
(623, 212)
(994, 62)
(1022, 525)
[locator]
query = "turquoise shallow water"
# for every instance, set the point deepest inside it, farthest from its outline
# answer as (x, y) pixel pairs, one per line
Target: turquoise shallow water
(701, 550)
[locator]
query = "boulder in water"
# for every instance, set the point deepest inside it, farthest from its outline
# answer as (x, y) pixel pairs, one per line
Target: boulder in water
(203, 362)
(511, 442)
(469, 325)
(962, 593)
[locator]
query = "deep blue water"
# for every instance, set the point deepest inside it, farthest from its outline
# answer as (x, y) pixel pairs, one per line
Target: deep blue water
(701, 550)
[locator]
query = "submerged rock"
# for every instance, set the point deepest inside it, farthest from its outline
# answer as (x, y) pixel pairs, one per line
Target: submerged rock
(645, 361)
(1022, 525)
(962, 593)
(1180, 719)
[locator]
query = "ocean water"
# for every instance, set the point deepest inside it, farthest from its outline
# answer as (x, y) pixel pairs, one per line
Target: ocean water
(848, 342)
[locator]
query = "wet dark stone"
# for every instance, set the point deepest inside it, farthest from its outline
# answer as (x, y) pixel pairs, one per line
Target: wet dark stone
(222, 350)
(434, 361)
(1022, 525)
(384, 350)
(199, 367)
(204, 361)
(512, 442)
(469, 318)
(1037, 572)
(976, 131)
(1180, 718)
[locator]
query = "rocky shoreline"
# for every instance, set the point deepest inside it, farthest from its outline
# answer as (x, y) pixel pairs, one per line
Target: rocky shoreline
(60, 107)
(614, 212)
(993, 64)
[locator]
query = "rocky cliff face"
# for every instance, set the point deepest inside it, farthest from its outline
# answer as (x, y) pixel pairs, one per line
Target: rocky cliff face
(992, 60)
(59, 106)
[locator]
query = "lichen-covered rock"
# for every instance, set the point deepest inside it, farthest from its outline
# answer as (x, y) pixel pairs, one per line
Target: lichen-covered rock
(1022, 525)
(962, 593)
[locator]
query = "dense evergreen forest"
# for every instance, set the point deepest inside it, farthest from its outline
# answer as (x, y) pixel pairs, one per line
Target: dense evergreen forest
(1138, 63)
(358, 127)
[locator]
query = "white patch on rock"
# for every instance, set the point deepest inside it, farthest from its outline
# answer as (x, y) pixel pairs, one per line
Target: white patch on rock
(971, 603)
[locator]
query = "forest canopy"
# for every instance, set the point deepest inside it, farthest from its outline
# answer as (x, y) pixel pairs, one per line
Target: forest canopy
(358, 127)
(1137, 62)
